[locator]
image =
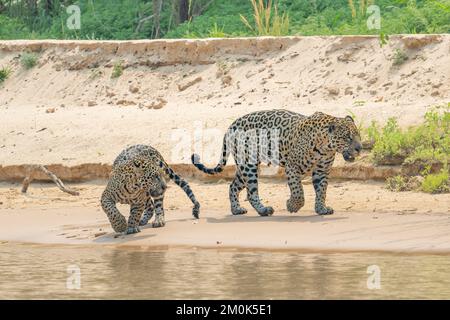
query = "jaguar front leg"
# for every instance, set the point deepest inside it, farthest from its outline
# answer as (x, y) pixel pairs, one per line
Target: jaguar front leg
(320, 182)
(117, 220)
(297, 198)
(135, 215)
(148, 213)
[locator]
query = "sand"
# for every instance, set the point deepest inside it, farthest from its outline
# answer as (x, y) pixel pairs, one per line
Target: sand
(368, 218)
(67, 110)
(180, 96)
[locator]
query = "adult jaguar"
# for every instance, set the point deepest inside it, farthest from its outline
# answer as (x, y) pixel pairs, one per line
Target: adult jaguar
(299, 143)
(138, 178)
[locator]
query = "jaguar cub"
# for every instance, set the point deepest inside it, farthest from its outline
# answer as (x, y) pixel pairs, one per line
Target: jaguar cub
(138, 178)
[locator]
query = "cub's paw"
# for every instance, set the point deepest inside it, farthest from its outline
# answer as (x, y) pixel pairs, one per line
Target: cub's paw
(294, 205)
(323, 210)
(266, 211)
(159, 223)
(238, 211)
(131, 230)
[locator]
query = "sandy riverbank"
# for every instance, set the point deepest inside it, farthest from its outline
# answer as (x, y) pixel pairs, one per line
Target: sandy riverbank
(368, 217)
(180, 96)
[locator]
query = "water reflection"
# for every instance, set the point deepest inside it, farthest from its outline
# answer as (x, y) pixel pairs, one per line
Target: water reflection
(33, 272)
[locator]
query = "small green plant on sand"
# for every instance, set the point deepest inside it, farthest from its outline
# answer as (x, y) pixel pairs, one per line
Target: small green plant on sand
(28, 60)
(5, 72)
(117, 70)
(400, 57)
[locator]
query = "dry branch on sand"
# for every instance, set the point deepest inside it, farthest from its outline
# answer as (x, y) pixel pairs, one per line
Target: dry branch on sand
(32, 170)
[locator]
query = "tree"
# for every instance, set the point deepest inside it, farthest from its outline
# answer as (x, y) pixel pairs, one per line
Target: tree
(157, 6)
(183, 11)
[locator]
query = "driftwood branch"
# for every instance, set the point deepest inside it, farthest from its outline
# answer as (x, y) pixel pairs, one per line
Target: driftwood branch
(34, 169)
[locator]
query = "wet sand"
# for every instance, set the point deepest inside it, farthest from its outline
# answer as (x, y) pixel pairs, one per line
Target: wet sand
(367, 218)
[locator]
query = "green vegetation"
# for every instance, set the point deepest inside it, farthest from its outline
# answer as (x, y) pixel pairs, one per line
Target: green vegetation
(28, 60)
(5, 72)
(400, 57)
(437, 183)
(426, 143)
(267, 20)
(117, 70)
(144, 19)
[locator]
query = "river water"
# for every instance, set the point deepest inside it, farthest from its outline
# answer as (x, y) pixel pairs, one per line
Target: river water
(96, 272)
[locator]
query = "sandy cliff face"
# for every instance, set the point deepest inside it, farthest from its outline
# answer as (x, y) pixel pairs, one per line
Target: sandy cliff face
(68, 110)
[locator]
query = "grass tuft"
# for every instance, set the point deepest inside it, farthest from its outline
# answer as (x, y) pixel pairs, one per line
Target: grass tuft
(5, 72)
(28, 60)
(117, 70)
(267, 20)
(400, 57)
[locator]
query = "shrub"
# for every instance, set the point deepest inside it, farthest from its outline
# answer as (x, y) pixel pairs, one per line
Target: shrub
(437, 183)
(28, 60)
(5, 72)
(428, 142)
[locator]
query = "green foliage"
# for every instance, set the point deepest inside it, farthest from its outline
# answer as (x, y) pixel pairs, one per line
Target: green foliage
(28, 60)
(428, 142)
(400, 57)
(437, 183)
(11, 28)
(384, 38)
(132, 19)
(5, 72)
(267, 20)
(117, 70)
(216, 32)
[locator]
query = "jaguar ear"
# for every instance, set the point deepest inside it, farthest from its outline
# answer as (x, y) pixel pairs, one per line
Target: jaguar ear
(331, 127)
(350, 118)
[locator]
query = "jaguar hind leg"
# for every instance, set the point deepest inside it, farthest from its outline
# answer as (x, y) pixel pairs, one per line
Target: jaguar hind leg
(235, 188)
(250, 176)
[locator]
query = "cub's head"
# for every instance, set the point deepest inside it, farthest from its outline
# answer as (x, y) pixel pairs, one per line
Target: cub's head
(344, 137)
(150, 178)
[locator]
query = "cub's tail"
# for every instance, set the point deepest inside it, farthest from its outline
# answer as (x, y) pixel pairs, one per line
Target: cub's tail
(186, 188)
(195, 158)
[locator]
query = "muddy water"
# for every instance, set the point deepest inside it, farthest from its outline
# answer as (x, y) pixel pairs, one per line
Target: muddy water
(34, 272)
